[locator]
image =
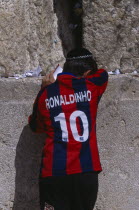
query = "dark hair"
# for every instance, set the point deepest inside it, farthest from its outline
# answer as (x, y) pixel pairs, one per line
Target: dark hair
(78, 61)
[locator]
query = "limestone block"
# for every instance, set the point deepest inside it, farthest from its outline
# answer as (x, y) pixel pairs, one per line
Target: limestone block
(118, 135)
(28, 36)
(118, 140)
(111, 32)
(19, 147)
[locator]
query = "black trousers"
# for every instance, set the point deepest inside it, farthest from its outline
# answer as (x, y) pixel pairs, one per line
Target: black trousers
(70, 192)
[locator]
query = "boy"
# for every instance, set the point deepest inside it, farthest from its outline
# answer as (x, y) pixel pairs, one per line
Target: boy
(66, 111)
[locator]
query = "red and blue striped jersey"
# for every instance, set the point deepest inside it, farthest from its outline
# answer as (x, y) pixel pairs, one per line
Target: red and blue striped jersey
(66, 111)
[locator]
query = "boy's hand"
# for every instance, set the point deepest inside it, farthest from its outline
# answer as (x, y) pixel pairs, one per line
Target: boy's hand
(48, 79)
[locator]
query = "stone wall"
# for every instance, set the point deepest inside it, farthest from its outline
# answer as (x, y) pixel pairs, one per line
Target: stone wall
(118, 138)
(31, 33)
(28, 36)
(111, 32)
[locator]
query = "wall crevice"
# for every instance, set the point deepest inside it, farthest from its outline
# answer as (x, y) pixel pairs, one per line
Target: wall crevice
(69, 14)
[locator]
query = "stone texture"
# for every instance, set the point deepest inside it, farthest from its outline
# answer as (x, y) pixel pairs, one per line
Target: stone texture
(20, 149)
(30, 31)
(118, 138)
(28, 36)
(111, 32)
(118, 132)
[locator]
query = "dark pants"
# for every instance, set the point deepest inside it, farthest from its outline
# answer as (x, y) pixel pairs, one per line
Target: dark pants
(71, 192)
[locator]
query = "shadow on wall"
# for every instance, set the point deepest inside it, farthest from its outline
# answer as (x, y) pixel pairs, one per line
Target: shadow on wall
(27, 164)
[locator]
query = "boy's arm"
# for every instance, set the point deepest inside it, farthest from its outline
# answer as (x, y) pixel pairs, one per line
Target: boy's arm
(35, 119)
(100, 79)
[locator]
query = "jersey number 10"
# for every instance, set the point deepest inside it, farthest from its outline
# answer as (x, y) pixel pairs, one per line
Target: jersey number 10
(72, 119)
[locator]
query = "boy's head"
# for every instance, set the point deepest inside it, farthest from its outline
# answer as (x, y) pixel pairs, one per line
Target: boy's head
(79, 61)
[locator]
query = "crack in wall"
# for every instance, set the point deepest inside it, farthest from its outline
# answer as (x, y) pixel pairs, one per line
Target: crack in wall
(69, 14)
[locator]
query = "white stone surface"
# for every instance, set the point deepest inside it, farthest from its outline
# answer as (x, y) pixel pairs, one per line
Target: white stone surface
(111, 32)
(30, 30)
(28, 36)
